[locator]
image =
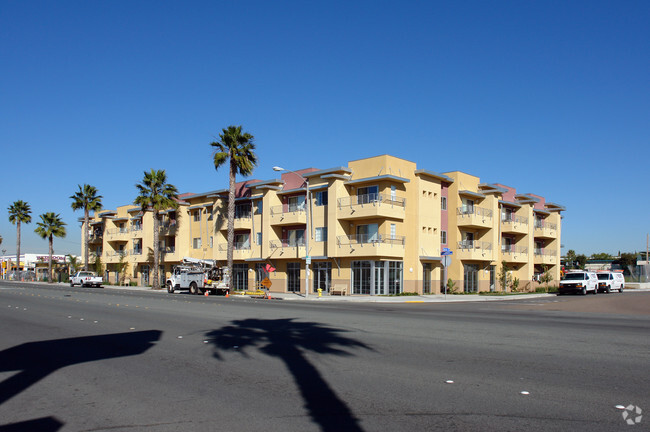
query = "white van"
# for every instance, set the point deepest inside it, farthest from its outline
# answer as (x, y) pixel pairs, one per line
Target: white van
(609, 281)
(578, 281)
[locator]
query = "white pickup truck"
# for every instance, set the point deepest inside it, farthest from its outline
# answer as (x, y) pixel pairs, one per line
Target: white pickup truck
(86, 278)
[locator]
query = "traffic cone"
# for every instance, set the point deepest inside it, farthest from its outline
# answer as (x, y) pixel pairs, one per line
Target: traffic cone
(207, 293)
(227, 293)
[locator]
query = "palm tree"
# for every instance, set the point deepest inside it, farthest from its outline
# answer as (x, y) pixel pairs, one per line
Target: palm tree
(156, 194)
(87, 199)
(73, 263)
(19, 212)
(236, 148)
(51, 226)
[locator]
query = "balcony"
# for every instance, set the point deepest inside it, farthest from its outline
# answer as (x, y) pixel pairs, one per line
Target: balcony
(287, 248)
(168, 228)
(288, 214)
(474, 250)
(96, 237)
(545, 256)
(475, 217)
(515, 254)
(362, 245)
(371, 205)
(241, 250)
(545, 229)
(241, 222)
(117, 234)
(514, 224)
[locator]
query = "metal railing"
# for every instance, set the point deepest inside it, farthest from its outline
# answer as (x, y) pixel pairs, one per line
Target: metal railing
(284, 243)
(544, 252)
(515, 219)
(288, 208)
(374, 239)
(135, 252)
(473, 210)
(223, 247)
(372, 199)
(540, 224)
(116, 231)
(474, 245)
(117, 253)
(243, 212)
(514, 249)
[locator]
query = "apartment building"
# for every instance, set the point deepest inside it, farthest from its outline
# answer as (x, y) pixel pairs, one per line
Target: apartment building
(376, 226)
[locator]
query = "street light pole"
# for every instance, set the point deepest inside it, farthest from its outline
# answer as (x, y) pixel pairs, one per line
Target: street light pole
(308, 233)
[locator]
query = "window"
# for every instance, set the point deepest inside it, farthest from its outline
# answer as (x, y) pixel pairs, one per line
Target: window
(210, 214)
(321, 234)
(259, 207)
(367, 233)
(443, 237)
(243, 211)
(211, 244)
(242, 241)
(506, 214)
(393, 231)
(320, 198)
(443, 203)
(197, 216)
(361, 271)
(259, 238)
(394, 277)
(196, 243)
(367, 194)
(296, 203)
(393, 193)
(295, 238)
(468, 206)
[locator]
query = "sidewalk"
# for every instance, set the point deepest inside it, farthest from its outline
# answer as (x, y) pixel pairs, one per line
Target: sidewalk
(432, 298)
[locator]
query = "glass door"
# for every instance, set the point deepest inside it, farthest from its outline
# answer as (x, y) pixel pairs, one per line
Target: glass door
(322, 276)
(470, 278)
(379, 279)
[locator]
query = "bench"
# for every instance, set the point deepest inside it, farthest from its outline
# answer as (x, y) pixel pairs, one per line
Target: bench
(339, 289)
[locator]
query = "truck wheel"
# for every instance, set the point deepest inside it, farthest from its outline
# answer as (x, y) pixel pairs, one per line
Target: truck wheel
(608, 290)
(193, 288)
(584, 291)
(170, 288)
(595, 290)
(620, 289)
(71, 284)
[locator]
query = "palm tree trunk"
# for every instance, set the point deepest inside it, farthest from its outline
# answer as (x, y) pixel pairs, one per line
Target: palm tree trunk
(231, 220)
(17, 248)
(156, 249)
(86, 229)
(49, 264)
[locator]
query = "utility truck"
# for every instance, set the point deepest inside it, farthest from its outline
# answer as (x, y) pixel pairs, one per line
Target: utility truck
(199, 276)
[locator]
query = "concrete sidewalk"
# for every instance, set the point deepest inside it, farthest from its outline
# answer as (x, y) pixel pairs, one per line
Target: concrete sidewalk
(432, 298)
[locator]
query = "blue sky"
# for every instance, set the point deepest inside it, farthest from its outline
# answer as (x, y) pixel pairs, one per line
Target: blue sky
(549, 97)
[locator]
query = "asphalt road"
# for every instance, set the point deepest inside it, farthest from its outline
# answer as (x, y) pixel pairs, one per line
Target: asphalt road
(110, 360)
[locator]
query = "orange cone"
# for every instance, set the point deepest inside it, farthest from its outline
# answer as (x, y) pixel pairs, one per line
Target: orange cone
(207, 293)
(227, 294)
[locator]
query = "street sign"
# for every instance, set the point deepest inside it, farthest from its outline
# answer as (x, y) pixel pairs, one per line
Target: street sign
(267, 283)
(308, 259)
(446, 251)
(446, 260)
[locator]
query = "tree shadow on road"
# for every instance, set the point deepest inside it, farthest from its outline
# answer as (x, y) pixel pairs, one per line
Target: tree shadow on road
(289, 340)
(37, 360)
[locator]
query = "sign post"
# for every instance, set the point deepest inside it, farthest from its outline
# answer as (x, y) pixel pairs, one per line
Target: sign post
(446, 262)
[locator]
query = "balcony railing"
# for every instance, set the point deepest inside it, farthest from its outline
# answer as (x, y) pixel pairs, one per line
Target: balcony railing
(243, 212)
(545, 252)
(117, 253)
(288, 208)
(541, 224)
(472, 210)
(116, 231)
(474, 244)
(135, 252)
(372, 199)
(370, 239)
(515, 219)
(514, 249)
(279, 244)
(223, 247)
(169, 250)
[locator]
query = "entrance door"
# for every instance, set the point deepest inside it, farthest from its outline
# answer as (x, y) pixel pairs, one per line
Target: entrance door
(322, 276)
(492, 279)
(293, 277)
(379, 280)
(470, 278)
